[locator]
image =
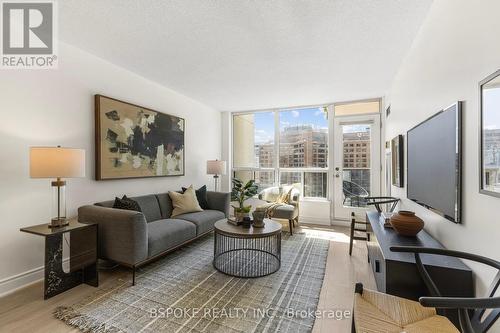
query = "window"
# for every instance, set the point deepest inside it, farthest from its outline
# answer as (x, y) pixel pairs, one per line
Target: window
(299, 156)
(303, 138)
(253, 139)
(357, 108)
(356, 168)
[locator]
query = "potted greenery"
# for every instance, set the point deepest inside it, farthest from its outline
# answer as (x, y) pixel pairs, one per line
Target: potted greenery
(240, 193)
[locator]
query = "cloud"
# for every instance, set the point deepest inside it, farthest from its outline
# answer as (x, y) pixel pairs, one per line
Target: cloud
(261, 136)
(318, 112)
(295, 113)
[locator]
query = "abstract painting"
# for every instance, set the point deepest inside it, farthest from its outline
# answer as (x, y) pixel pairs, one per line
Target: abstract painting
(134, 142)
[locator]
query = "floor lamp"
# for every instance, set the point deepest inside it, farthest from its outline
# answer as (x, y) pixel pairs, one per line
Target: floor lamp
(216, 168)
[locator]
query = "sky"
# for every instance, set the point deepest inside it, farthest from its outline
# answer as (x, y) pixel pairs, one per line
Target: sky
(491, 108)
(264, 121)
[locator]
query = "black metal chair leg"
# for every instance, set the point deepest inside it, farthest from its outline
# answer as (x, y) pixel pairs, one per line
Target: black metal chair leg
(351, 239)
(133, 275)
(290, 224)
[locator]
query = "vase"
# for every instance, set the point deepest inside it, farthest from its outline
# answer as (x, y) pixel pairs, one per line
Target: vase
(406, 223)
(239, 216)
(258, 218)
(247, 222)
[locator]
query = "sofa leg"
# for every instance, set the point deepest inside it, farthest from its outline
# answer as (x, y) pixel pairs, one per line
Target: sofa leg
(133, 275)
(290, 224)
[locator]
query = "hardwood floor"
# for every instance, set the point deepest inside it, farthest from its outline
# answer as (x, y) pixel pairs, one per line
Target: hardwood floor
(26, 311)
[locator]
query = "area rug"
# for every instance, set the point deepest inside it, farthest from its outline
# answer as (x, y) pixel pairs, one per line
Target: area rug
(184, 293)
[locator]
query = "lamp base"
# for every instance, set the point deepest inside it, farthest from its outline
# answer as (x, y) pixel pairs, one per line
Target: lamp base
(58, 222)
(216, 183)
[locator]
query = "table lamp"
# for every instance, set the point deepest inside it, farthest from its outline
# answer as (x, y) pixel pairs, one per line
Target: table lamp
(57, 162)
(216, 168)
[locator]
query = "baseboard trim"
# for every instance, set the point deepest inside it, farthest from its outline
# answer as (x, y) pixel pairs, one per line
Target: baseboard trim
(341, 223)
(314, 220)
(13, 283)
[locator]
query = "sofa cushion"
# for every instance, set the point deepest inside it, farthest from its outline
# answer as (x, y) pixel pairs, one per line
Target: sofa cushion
(166, 206)
(127, 204)
(204, 221)
(149, 206)
(184, 202)
(167, 233)
(284, 211)
(201, 195)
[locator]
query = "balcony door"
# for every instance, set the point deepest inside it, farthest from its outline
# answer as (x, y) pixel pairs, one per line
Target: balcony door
(356, 168)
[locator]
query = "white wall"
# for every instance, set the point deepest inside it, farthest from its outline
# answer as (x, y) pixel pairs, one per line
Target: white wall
(51, 107)
(456, 47)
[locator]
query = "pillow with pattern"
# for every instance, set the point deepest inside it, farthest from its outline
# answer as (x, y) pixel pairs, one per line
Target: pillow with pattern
(127, 204)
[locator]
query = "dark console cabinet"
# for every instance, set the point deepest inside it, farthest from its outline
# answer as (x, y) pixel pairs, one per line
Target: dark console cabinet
(396, 273)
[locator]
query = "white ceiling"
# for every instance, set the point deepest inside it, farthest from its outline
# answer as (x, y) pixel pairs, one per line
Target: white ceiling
(251, 54)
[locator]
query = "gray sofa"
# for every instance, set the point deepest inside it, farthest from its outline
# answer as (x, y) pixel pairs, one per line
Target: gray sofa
(133, 238)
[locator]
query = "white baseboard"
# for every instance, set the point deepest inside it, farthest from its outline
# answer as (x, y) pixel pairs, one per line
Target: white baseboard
(13, 283)
(341, 223)
(16, 282)
(314, 220)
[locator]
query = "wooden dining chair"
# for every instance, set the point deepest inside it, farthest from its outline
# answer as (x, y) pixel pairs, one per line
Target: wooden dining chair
(356, 226)
(379, 312)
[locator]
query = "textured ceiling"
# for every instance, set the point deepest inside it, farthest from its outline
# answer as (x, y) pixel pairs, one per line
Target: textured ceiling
(242, 54)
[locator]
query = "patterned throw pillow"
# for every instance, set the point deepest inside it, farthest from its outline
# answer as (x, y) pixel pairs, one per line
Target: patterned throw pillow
(201, 195)
(127, 204)
(285, 197)
(184, 202)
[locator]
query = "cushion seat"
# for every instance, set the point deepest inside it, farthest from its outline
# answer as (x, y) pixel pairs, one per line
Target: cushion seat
(167, 233)
(378, 312)
(284, 211)
(204, 221)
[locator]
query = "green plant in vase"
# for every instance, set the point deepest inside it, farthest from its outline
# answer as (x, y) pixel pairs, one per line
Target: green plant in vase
(240, 193)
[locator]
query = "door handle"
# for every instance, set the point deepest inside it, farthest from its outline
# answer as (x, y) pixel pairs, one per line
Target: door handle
(377, 266)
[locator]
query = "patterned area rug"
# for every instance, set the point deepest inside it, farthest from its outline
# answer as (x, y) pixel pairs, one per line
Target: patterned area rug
(184, 293)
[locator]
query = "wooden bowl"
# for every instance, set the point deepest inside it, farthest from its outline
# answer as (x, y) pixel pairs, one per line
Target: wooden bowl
(406, 223)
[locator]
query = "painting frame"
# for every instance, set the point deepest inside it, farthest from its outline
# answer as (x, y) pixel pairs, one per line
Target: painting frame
(99, 153)
(397, 153)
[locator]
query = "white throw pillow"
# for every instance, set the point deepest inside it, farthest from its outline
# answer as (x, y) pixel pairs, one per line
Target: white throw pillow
(184, 202)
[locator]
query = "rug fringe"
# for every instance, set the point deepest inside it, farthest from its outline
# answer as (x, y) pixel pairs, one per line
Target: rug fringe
(83, 322)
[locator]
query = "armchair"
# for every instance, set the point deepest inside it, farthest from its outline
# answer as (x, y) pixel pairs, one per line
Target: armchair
(288, 211)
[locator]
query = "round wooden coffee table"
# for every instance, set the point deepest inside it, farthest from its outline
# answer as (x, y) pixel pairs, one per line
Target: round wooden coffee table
(247, 252)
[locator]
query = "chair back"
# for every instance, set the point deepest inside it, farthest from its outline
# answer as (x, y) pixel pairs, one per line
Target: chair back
(471, 311)
(352, 189)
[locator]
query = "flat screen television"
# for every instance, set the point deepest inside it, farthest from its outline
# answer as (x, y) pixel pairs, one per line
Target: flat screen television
(434, 163)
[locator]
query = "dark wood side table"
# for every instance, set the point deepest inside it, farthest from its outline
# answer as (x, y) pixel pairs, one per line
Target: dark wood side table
(82, 256)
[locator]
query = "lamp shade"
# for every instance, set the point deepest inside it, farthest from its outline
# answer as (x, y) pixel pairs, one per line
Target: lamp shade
(57, 162)
(216, 167)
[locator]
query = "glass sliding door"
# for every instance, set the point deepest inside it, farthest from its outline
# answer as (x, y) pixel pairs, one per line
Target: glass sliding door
(357, 163)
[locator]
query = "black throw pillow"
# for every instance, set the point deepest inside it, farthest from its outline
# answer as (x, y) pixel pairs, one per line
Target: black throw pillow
(127, 203)
(201, 195)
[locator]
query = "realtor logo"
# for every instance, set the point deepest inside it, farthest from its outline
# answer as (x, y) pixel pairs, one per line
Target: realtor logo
(28, 34)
